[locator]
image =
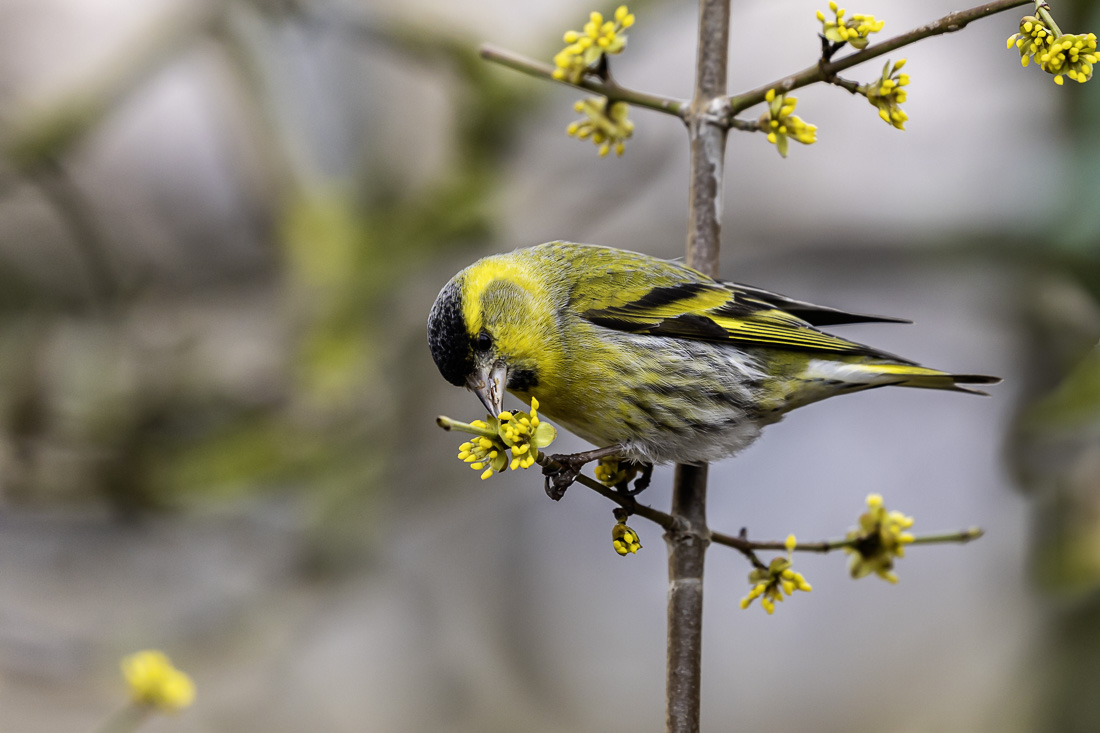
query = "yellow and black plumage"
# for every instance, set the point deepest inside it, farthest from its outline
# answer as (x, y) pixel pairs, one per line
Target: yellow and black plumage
(648, 354)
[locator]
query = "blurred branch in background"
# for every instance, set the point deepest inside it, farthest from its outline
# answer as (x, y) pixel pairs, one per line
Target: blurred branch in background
(85, 232)
(1055, 447)
(49, 132)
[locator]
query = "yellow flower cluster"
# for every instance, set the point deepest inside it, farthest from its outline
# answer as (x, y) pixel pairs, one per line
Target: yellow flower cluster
(613, 472)
(1059, 54)
(483, 452)
(770, 583)
(608, 127)
(585, 47)
(887, 93)
(1034, 37)
(524, 434)
(155, 682)
(853, 31)
(520, 432)
(881, 537)
(1071, 55)
(624, 539)
(781, 124)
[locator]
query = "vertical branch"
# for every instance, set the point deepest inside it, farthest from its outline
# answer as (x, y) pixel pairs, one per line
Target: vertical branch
(687, 543)
(705, 121)
(687, 546)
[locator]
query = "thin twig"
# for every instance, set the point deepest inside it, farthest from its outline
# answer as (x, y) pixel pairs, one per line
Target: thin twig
(851, 86)
(820, 71)
(741, 543)
(745, 125)
(748, 547)
(666, 521)
(610, 89)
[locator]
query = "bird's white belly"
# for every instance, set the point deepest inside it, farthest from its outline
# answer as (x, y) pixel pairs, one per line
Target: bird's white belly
(706, 409)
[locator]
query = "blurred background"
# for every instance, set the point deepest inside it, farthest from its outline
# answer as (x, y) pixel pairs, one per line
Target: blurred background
(222, 223)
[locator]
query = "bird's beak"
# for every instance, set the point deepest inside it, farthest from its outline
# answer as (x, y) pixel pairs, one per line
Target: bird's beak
(488, 384)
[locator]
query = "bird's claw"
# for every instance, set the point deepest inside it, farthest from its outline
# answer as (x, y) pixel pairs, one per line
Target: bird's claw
(642, 482)
(560, 474)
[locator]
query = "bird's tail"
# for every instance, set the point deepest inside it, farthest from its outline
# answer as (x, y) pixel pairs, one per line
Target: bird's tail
(910, 375)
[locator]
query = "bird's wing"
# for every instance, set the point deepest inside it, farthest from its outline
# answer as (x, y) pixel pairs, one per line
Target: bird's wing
(815, 315)
(721, 312)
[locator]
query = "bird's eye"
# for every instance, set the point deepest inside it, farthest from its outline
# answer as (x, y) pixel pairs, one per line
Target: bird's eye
(483, 341)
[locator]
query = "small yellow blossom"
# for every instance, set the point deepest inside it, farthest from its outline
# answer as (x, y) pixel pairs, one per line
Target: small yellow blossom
(607, 127)
(1071, 55)
(614, 471)
(155, 682)
(484, 453)
(881, 537)
(524, 434)
(1034, 38)
(853, 31)
(624, 539)
(887, 93)
(586, 47)
(770, 583)
(519, 432)
(781, 124)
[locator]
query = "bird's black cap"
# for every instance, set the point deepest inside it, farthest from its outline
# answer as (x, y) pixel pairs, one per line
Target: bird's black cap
(448, 338)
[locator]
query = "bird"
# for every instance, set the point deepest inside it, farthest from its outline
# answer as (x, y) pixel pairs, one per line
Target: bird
(647, 357)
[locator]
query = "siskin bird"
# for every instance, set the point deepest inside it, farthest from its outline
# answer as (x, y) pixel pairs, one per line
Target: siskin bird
(649, 355)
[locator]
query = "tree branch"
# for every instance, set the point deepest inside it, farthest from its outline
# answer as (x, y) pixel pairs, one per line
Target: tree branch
(748, 548)
(745, 125)
(609, 88)
(822, 71)
(741, 543)
(666, 521)
(687, 543)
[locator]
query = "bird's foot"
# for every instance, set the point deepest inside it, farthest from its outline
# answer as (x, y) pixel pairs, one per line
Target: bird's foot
(564, 468)
(642, 482)
(560, 474)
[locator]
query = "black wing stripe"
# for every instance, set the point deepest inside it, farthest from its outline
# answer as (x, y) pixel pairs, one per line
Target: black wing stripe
(815, 315)
(690, 325)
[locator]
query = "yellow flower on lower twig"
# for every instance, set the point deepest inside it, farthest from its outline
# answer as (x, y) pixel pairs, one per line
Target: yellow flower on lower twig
(624, 539)
(880, 538)
(770, 583)
(155, 682)
(614, 472)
